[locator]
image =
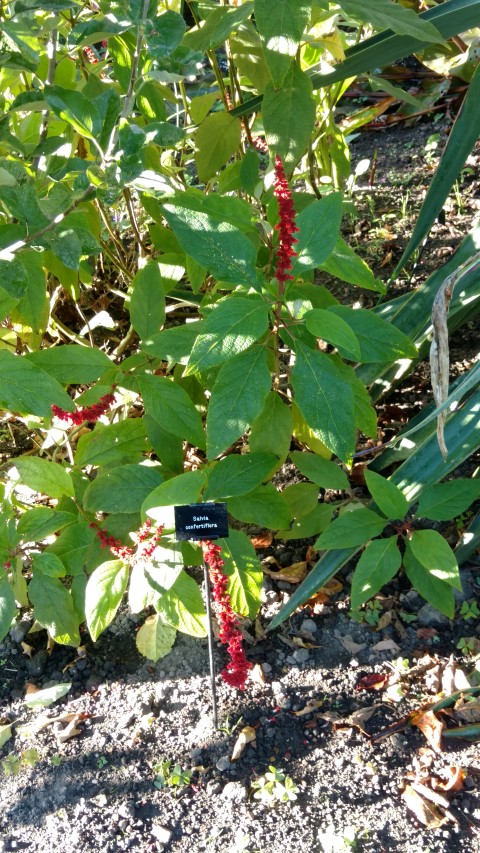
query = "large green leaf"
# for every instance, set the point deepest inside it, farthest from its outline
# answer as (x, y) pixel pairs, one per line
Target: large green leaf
(32, 307)
(388, 497)
(378, 339)
(170, 405)
(53, 608)
(219, 24)
(237, 475)
(184, 489)
(289, 116)
(217, 139)
(325, 473)
(433, 551)
(351, 529)
(346, 265)
(325, 325)
(271, 431)
(123, 489)
(437, 592)
(77, 547)
(217, 245)
(325, 400)
(237, 398)
(230, 328)
(385, 14)
(49, 478)
(377, 566)
(39, 522)
(264, 506)
(444, 501)
(71, 364)
(281, 26)
(147, 302)
(182, 607)
(104, 592)
(244, 573)
(318, 225)
(76, 109)
(155, 639)
(26, 388)
(112, 444)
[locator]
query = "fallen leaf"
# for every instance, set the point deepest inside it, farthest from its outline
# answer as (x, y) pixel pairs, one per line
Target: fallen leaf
(259, 629)
(257, 674)
(71, 730)
(358, 718)
(388, 645)
(309, 708)
(332, 587)
(43, 722)
(349, 644)
(303, 644)
(373, 682)
(455, 776)
(426, 633)
(26, 649)
(430, 726)
(385, 620)
(427, 813)
(292, 574)
(431, 796)
(44, 698)
(247, 735)
(263, 540)
(468, 712)
(50, 645)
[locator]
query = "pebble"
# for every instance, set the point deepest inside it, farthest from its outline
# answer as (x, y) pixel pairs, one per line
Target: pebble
(19, 631)
(429, 617)
(223, 763)
(235, 791)
(161, 833)
(308, 625)
(301, 655)
(36, 666)
(126, 810)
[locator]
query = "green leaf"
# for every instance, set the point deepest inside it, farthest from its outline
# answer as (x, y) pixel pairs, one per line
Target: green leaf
(53, 608)
(365, 414)
(377, 566)
(44, 476)
(237, 475)
(39, 522)
(147, 302)
(325, 325)
(104, 592)
(438, 593)
(281, 26)
(46, 697)
(230, 328)
(99, 28)
(170, 405)
(325, 473)
(113, 444)
(271, 431)
(26, 388)
(77, 547)
(388, 497)
(379, 340)
(460, 143)
(5, 734)
(302, 498)
(217, 139)
(123, 489)
(175, 344)
(71, 364)
(76, 109)
(387, 15)
(216, 245)
(155, 639)
(220, 23)
(33, 305)
(351, 529)
(325, 400)
(346, 265)
(264, 506)
(48, 564)
(289, 116)
(184, 489)
(434, 552)
(318, 225)
(166, 34)
(244, 573)
(308, 524)
(182, 606)
(7, 605)
(444, 501)
(237, 398)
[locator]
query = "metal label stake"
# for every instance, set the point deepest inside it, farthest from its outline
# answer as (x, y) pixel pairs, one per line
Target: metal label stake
(202, 522)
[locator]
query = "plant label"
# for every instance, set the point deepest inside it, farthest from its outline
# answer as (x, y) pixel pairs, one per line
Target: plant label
(201, 521)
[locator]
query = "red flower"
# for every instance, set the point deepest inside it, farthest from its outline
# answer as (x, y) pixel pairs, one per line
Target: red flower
(88, 413)
(286, 227)
(146, 543)
(236, 672)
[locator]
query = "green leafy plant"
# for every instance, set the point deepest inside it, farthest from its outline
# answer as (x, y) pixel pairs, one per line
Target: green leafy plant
(469, 609)
(274, 787)
(170, 775)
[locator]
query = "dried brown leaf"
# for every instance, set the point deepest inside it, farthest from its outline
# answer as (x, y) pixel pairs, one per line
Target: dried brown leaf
(304, 644)
(388, 645)
(375, 681)
(426, 633)
(455, 776)
(292, 574)
(385, 620)
(257, 674)
(430, 726)
(62, 735)
(427, 813)
(247, 735)
(350, 645)
(430, 795)
(309, 708)
(468, 712)
(263, 540)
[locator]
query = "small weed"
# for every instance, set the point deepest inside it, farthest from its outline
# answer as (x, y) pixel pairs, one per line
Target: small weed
(12, 764)
(56, 760)
(169, 775)
(469, 609)
(369, 615)
(101, 762)
(229, 728)
(338, 842)
(274, 787)
(469, 645)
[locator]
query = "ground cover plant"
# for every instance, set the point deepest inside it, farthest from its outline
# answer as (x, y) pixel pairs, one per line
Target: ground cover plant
(171, 183)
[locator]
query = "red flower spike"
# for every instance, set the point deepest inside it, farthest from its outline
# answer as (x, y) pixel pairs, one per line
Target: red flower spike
(286, 227)
(236, 672)
(88, 413)
(144, 550)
